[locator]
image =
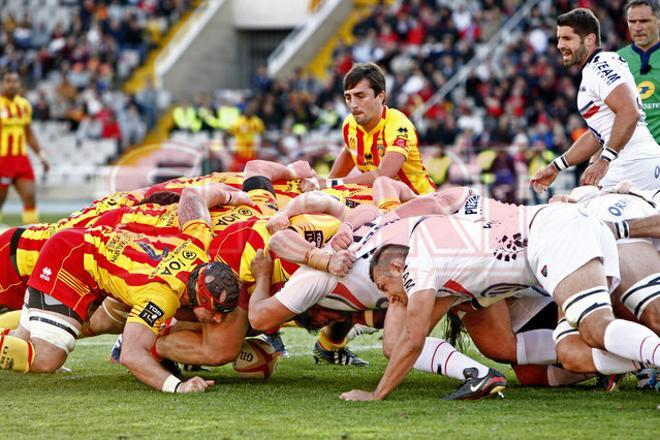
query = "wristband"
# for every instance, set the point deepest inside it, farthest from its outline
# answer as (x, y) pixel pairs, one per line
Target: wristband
(608, 154)
(335, 182)
(171, 384)
(318, 259)
(560, 163)
(622, 229)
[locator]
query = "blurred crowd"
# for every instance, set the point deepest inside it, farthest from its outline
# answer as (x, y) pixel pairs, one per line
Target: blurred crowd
(73, 56)
(508, 118)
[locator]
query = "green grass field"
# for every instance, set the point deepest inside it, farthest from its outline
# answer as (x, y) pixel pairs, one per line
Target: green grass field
(102, 400)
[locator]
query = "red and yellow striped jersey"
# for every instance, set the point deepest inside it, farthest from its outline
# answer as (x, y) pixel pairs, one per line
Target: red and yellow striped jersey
(352, 194)
(237, 246)
(35, 236)
(393, 133)
(151, 219)
(177, 185)
(15, 116)
(143, 271)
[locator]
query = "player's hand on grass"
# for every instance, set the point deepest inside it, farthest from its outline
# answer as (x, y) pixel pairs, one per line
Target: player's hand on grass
(262, 265)
(195, 385)
(277, 222)
(358, 396)
(341, 263)
(594, 172)
(544, 177)
(343, 238)
(310, 184)
(302, 170)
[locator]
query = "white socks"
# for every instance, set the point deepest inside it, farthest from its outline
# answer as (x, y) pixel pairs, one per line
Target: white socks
(535, 347)
(440, 357)
(633, 341)
(608, 363)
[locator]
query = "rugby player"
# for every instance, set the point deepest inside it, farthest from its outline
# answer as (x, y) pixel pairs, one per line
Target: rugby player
(156, 276)
(611, 106)
(449, 260)
(15, 132)
(378, 141)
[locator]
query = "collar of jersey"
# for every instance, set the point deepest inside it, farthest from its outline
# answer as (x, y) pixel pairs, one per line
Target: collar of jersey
(591, 57)
(645, 56)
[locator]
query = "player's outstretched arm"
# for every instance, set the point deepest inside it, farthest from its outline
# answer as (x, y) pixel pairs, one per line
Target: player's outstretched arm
(276, 171)
(443, 202)
(387, 190)
(290, 246)
(419, 314)
(315, 202)
(586, 146)
(136, 356)
(265, 312)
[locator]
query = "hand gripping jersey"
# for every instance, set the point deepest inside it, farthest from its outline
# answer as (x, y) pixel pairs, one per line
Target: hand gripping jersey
(602, 73)
(394, 133)
(155, 220)
(238, 244)
(79, 267)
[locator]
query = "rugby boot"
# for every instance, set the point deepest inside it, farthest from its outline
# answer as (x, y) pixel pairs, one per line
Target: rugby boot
(343, 356)
(474, 387)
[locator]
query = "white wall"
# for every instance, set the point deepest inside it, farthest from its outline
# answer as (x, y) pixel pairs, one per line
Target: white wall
(270, 14)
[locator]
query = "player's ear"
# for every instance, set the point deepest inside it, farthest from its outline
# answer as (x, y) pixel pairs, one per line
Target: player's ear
(396, 264)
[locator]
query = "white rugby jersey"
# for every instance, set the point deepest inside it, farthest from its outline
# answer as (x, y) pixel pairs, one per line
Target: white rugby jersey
(471, 259)
(612, 207)
(602, 73)
(353, 292)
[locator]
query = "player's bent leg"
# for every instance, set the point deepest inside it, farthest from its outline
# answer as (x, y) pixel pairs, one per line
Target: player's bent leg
(490, 330)
(109, 318)
(639, 291)
(590, 311)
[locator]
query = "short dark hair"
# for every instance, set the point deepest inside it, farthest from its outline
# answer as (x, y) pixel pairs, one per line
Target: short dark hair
(388, 248)
(582, 21)
(371, 72)
(653, 4)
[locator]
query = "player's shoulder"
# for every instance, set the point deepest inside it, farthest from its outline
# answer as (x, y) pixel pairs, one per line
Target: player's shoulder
(395, 116)
(602, 61)
(22, 101)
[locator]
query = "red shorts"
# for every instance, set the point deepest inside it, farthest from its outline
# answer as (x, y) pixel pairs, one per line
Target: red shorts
(12, 287)
(13, 168)
(60, 272)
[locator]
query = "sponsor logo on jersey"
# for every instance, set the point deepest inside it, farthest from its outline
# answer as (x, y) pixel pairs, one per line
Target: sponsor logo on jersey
(544, 271)
(314, 237)
(646, 89)
(46, 272)
(603, 69)
(151, 313)
(402, 143)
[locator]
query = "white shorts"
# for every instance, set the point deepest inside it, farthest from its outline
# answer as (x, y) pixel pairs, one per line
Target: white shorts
(525, 305)
(563, 238)
(643, 173)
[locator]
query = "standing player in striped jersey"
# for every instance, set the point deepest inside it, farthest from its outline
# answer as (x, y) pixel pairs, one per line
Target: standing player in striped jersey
(611, 106)
(378, 140)
(155, 276)
(15, 132)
